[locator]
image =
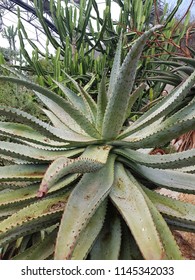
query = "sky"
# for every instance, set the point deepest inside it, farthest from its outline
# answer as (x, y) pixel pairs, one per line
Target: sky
(10, 20)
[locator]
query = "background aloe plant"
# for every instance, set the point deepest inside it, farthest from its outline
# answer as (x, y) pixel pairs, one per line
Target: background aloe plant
(86, 176)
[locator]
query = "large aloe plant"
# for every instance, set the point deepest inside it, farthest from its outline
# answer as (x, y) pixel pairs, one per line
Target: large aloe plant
(83, 186)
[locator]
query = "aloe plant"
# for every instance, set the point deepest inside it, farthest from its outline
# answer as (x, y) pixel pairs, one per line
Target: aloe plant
(84, 185)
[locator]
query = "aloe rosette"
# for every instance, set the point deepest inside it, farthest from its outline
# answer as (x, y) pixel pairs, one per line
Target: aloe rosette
(83, 184)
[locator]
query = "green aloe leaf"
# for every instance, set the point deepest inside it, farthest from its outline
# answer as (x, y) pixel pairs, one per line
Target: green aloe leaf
(50, 97)
(55, 120)
(107, 245)
(134, 96)
(41, 250)
(32, 154)
(132, 205)
(32, 218)
(101, 103)
(119, 99)
(115, 68)
(92, 159)
(90, 233)
(169, 243)
(83, 202)
(171, 207)
(162, 108)
(25, 132)
(89, 103)
(25, 172)
(175, 160)
(19, 196)
(161, 133)
(171, 179)
(45, 128)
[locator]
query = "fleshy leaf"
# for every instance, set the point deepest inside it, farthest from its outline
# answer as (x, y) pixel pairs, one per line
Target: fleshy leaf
(93, 158)
(169, 243)
(119, 98)
(131, 204)
(90, 233)
(171, 179)
(41, 250)
(83, 202)
(107, 245)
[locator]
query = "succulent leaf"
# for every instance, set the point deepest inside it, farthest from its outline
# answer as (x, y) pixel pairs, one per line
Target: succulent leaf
(169, 243)
(32, 218)
(129, 201)
(34, 154)
(107, 245)
(90, 233)
(93, 158)
(171, 161)
(59, 103)
(24, 172)
(165, 106)
(170, 179)
(172, 207)
(41, 250)
(117, 106)
(115, 68)
(83, 202)
(101, 103)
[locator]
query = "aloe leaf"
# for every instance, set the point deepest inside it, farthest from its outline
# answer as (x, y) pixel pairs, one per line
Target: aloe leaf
(169, 243)
(126, 246)
(170, 179)
(134, 96)
(25, 132)
(14, 196)
(41, 250)
(48, 96)
(27, 119)
(32, 154)
(175, 160)
(93, 159)
(54, 119)
(90, 233)
(172, 127)
(72, 96)
(88, 101)
(119, 99)
(115, 68)
(24, 172)
(10, 198)
(32, 218)
(15, 199)
(171, 207)
(107, 245)
(131, 204)
(163, 107)
(83, 202)
(188, 169)
(46, 129)
(101, 103)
